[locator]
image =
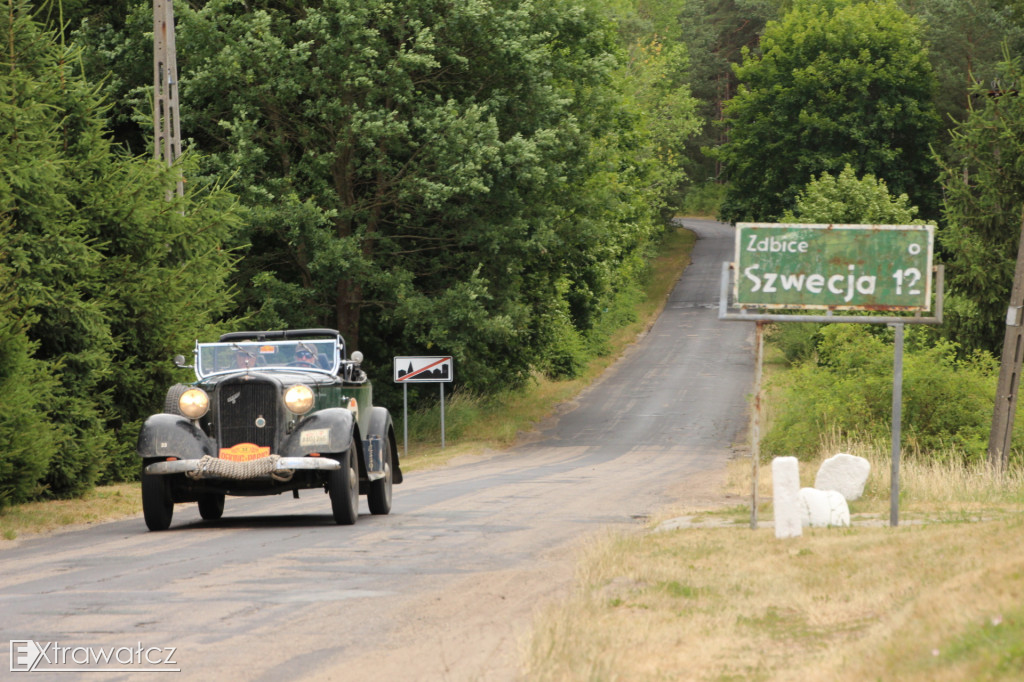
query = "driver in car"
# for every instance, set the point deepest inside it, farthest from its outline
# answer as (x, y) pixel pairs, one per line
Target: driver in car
(304, 355)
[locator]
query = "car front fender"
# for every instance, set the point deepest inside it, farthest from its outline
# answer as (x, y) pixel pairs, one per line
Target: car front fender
(170, 435)
(327, 431)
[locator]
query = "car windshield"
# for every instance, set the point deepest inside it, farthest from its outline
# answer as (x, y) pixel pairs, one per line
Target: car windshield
(317, 355)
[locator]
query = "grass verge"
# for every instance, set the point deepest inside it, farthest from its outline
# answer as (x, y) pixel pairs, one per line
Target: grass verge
(940, 597)
(473, 424)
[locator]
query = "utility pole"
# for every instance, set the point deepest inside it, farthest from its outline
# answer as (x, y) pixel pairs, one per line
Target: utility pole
(1000, 437)
(166, 127)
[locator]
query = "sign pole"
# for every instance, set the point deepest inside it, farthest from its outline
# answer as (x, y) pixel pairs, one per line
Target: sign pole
(755, 474)
(405, 416)
(897, 424)
(442, 415)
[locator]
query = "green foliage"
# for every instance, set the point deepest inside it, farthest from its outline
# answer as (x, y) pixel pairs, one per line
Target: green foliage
(846, 199)
(425, 176)
(717, 32)
(166, 279)
(842, 82)
(103, 277)
(966, 40)
(947, 401)
(27, 385)
(49, 146)
(983, 182)
(704, 199)
(797, 341)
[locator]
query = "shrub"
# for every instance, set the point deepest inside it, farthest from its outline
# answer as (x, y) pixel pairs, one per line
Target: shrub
(947, 402)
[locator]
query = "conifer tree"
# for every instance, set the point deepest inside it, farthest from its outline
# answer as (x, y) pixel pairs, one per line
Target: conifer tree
(107, 278)
(983, 180)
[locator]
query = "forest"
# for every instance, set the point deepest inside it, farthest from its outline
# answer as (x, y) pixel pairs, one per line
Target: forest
(483, 178)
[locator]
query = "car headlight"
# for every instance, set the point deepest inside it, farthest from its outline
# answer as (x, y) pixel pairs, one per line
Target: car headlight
(299, 399)
(194, 403)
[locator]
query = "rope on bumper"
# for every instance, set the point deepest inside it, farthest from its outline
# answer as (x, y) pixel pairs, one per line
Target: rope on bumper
(213, 467)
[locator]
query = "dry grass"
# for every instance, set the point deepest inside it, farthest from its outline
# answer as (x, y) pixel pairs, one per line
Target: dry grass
(101, 504)
(941, 597)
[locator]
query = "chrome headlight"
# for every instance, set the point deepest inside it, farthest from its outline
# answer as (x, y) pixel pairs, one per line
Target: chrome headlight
(299, 399)
(194, 403)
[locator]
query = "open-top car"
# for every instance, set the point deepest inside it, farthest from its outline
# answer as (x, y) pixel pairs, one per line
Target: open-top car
(269, 412)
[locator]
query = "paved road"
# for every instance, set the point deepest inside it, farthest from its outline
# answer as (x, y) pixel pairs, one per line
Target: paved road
(445, 587)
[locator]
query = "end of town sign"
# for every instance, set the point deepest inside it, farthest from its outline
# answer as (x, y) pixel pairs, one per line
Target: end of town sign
(838, 267)
(423, 369)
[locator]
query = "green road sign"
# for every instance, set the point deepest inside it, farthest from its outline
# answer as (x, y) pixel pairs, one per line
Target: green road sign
(841, 267)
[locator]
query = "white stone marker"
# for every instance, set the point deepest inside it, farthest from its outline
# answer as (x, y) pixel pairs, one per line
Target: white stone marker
(785, 497)
(845, 473)
(823, 508)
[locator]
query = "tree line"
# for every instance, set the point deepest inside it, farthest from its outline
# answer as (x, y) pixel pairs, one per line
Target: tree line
(483, 178)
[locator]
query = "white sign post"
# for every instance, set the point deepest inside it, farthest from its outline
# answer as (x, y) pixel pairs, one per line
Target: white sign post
(433, 369)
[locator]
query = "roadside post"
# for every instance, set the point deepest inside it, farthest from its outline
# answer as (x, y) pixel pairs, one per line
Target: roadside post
(432, 369)
(864, 269)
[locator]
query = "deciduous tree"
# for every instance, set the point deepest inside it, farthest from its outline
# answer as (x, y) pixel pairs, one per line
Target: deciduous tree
(838, 82)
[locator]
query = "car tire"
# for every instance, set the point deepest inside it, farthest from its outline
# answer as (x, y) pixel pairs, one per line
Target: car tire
(157, 504)
(379, 496)
(171, 401)
(343, 487)
(211, 506)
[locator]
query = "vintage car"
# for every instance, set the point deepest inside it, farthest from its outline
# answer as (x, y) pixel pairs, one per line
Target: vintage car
(270, 412)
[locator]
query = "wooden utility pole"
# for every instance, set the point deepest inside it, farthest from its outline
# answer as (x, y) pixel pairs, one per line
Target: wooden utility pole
(999, 440)
(166, 128)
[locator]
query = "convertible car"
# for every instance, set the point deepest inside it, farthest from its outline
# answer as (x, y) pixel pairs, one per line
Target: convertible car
(269, 412)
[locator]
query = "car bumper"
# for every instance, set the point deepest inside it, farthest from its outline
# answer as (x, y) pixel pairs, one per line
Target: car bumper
(184, 466)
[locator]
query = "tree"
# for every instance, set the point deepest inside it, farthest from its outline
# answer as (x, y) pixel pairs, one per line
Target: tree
(716, 32)
(106, 277)
(983, 181)
(839, 82)
(424, 175)
(966, 39)
(846, 199)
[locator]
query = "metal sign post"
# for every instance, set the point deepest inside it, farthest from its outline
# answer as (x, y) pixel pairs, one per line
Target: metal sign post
(437, 369)
(834, 267)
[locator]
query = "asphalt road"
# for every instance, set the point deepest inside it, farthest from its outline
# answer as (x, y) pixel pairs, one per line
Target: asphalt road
(447, 585)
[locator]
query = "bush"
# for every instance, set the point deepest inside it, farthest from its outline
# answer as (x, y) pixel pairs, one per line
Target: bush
(947, 402)
(703, 199)
(798, 341)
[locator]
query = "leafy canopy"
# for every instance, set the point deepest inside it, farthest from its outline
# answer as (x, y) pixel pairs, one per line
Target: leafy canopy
(839, 82)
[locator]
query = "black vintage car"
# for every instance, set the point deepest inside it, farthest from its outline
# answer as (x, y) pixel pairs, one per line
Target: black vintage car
(270, 412)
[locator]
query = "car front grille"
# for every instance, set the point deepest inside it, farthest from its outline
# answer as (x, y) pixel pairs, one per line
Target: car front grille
(244, 406)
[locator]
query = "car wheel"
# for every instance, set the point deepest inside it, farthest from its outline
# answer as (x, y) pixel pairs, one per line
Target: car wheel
(157, 505)
(211, 506)
(379, 495)
(343, 487)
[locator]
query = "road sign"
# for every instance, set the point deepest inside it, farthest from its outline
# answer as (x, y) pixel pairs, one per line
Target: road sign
(429, 369)
(839, 267)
